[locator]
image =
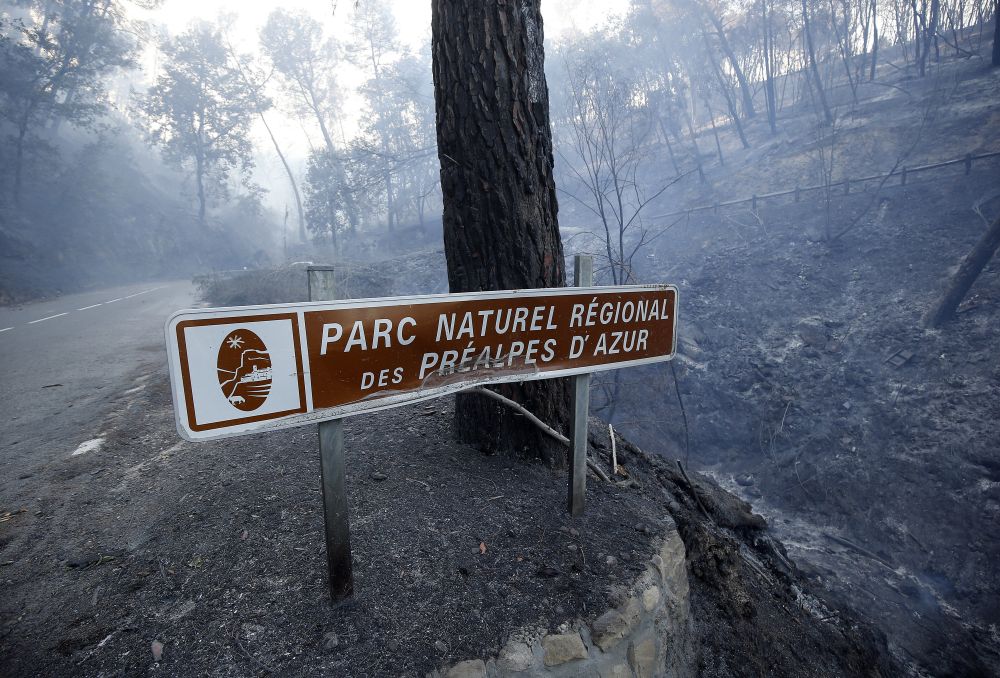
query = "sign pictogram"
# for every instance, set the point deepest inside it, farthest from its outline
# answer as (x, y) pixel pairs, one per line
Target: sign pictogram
(244, 370)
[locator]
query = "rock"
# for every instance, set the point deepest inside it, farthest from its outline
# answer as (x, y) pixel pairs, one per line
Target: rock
(440, 646)
(515, 656)
(563, 647)
(650, 598)
(157, 649)
(609, 628)
(813, 335)
(182, 610)
(642, 657)
(633, 612)
(472, 668)
(378, 477)
(744, 479)
(574, 532)
(617, 671)
(330, 640)
(611, 561)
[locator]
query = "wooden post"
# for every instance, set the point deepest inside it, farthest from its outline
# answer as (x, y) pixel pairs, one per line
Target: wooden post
(753, 204)
(333, 474)
(903, 182)
(968, 156)
(583, 267)
(796, 194)
(847, 186)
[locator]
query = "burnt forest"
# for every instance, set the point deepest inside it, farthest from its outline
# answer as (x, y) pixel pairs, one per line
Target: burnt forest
(801, 478)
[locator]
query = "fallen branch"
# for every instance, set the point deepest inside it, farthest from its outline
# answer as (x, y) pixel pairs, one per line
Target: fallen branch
(614, 450)
(972, 265)
(694, 492)
(597, 470)
(520, 409)
(860, 549)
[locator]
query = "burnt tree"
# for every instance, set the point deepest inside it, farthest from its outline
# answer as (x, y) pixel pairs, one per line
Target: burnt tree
(996, 33)
(500, 228)
(970, 268)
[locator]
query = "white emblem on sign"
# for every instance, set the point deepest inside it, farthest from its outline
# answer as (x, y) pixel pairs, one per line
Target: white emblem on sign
(241, 370)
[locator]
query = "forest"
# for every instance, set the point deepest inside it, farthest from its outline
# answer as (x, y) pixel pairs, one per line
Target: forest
(131, 151)
(817, 178)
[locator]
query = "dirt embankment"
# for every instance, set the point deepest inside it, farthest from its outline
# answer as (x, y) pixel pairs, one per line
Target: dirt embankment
(812, 390)
(151, 555)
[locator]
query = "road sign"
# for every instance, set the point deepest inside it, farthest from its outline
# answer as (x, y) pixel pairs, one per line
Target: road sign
(242, 370)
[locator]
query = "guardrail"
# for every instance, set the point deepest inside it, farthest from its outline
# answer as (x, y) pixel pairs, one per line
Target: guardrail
(845, 184)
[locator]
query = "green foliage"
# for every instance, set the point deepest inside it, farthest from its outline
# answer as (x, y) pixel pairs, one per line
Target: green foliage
(327, 197)
(200, 112)
(55, 71)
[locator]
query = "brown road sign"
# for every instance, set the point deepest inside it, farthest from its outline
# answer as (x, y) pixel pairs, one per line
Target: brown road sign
(240, 370)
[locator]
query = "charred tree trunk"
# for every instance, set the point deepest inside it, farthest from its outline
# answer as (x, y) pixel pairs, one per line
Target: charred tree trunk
(730, 104)
(996, 33)
(930, 32)
(813, 68)
(734, 63)
(968, 271)
(871, 75)
(769, 98)
(500, 228)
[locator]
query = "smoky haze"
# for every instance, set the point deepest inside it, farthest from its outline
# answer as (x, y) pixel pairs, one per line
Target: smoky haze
(809, 173)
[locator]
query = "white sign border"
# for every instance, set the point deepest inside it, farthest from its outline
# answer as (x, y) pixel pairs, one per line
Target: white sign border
(385, 402)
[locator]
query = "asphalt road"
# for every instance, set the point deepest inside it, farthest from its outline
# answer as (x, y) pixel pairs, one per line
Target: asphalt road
(65, 362)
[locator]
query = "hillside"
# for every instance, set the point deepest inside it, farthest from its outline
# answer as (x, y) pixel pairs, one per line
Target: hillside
(810, 387)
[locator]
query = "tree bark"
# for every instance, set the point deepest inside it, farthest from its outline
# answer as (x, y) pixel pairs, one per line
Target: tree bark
(813, 68)
(930, 32)
(996, 33)
(500, 227)
(968, 271)
(871, 75)
(772, 114)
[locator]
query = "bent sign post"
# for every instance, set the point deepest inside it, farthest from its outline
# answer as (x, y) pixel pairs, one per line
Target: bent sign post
(237, 371)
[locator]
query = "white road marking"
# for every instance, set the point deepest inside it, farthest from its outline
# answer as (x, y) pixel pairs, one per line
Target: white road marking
(114, 300)
(153, 289)
(49, 318)
(89, 446)
(6, 328)
(85, 308)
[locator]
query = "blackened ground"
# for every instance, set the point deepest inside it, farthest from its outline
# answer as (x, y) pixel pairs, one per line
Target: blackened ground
(215, 551)
(810, 386)
(881, 478)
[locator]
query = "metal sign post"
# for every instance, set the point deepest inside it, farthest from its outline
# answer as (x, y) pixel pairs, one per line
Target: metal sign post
(583, 268)
(333, 473)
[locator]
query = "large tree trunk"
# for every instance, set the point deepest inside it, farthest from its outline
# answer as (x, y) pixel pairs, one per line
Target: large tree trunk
(500, 228)
(968, 271)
